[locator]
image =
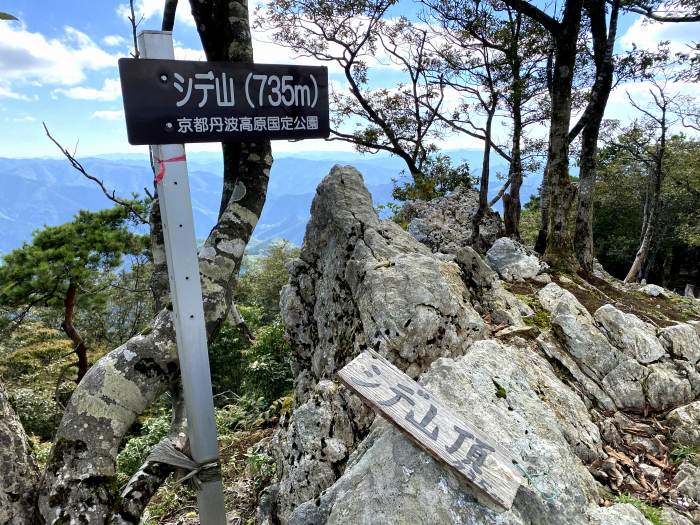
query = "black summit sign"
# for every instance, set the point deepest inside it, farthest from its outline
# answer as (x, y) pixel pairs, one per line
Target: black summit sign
(176, 101)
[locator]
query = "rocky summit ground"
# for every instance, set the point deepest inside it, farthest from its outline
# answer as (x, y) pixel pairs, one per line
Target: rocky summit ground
(593, 384)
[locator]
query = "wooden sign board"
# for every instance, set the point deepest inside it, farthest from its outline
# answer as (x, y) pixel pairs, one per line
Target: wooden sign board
(179, 101)
(433, 427)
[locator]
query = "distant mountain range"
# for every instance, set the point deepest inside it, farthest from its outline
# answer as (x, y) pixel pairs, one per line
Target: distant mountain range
(47, 191)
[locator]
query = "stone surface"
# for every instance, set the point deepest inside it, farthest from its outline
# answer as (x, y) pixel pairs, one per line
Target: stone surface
(686, 424)
(18, 472)
(388, 480)
(666, 387)
(654, 290)
(687, 481)
(359, 282)
(681, 340)
(630, 334)
(512, 261)
(574, 326)
(363, 283)
(444, 224)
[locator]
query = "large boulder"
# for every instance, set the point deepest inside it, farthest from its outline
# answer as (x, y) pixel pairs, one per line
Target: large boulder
(19, 475)
(685, 422)
(617, 357)
(630, 334)
(513, 261)
(444, 224)
(389, 480)
(359, 283)
(445, 318)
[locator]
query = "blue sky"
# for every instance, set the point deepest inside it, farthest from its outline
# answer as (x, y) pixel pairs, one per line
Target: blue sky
(59, 62)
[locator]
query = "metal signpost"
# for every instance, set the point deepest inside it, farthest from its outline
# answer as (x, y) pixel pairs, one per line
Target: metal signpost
(168, 103)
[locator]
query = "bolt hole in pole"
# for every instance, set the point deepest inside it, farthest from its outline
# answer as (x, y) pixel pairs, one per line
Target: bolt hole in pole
(181, 257)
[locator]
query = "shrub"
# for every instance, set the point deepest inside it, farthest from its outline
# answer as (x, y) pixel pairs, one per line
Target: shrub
(139, 447)
(38, 412)
(269, 371)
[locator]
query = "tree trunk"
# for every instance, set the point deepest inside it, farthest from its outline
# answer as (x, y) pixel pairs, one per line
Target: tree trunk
(79, 481)
(604, 42)
(650, 222)
(484, 183)
(511, 202)
(79, 346)
(559, 251)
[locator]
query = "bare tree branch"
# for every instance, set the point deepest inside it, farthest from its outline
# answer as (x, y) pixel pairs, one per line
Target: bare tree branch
(134, 27)
(109, 194)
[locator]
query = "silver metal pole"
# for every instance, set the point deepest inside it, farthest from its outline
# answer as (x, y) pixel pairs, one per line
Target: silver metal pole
(186, 291)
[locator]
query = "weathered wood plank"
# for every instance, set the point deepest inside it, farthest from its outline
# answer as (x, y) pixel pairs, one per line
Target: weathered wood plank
(433, 427)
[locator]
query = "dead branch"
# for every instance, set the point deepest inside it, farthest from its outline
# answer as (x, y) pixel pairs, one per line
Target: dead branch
(111, 195)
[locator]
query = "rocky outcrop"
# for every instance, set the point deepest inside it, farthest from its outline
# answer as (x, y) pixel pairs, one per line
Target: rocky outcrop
(389, 480)
(685, 422)
(513, 261)
(18, 472)
(564, 401)
(444, 224)
(359, 283)
(621, 357)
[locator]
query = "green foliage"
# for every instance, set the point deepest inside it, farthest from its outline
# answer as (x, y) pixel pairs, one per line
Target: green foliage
(651, 513)
(621, 191)
(438, 177)
(136, 450)
(39, 272)
(244, 413)
(541, 318)
(38, 412)
(269, 372)
(263, 278)
(261, 465)
(32, 359)
(682, 453)
(530, 221)
(227, 362)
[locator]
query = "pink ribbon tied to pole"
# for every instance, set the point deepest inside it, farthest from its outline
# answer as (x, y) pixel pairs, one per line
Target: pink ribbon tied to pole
(161, 166)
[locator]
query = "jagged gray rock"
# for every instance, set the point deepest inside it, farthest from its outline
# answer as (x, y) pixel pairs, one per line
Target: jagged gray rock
(576, 328)
(364, 283)
(636, 372)
(19, 475)
(654, 290)
(681, 340)
(512, 260)
(388, 480)
(359, 283)
(445, 224)
(685, 421)
(630, 334)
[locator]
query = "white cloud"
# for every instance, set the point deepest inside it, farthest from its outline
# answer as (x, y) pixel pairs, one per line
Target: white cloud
(110, 90)
(108, 114)
(6, 92)
(114, 40)
(185, 53)
(153, 9)
(29, 58)
(646, 34)
(26, 118)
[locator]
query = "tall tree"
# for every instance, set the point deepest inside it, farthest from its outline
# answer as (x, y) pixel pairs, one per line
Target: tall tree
(647, 145)
(513, 77)
(353, 36)
(557, 190)
(62, 263)
(79, 480)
